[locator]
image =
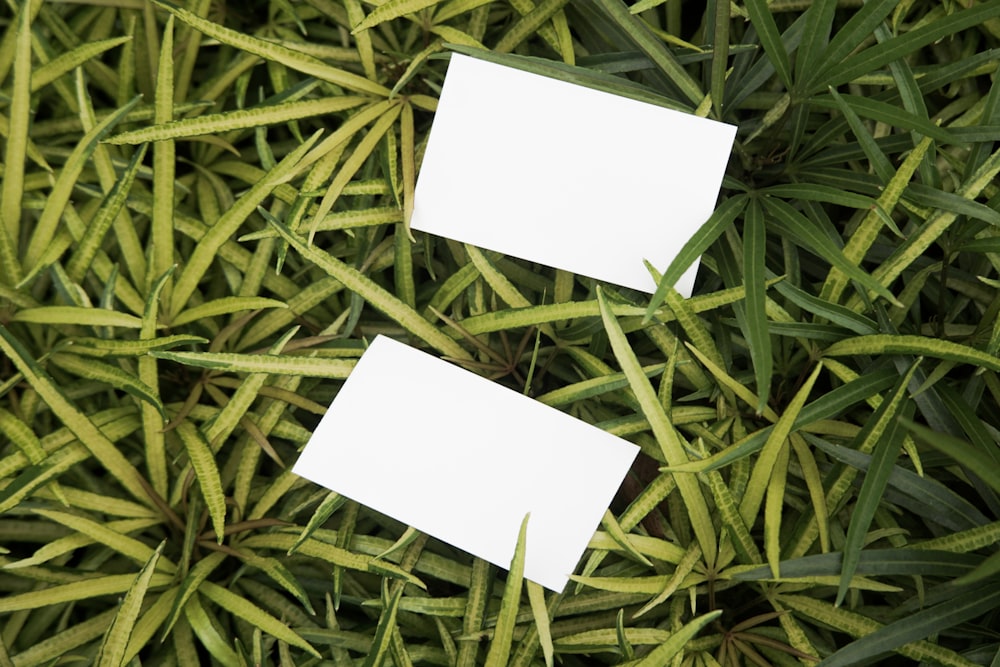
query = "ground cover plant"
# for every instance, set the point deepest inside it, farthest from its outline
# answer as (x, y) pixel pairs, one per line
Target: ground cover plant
(203, 217)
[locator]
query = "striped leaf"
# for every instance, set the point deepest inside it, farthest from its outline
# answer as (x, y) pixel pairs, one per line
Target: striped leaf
(272, 364)
(217, 235)
(503, 636)
(225, 306)
(377, 296)
(77, 315)
(89, 244)
(91, 369)
(776, 441)
(275, 52)
(66, 178)
(667, 438)
(916, 345)
(390, 10)
(98, 444)
(111, 653)
(239, 119)
(189, 586)
(678, 641)
(540, 612)
(646, 41)
(19, 113)
(100, 347)
(123, 544)
(881, 436)
(713, 228)
(254, 615)
(799, 229)
(111, 584)
(205, 469)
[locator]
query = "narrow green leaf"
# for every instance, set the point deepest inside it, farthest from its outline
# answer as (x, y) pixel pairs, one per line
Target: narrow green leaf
(258, 116)
(358, 156)
(818, 19)
(100, 347)
(720, 57)
(273, 364)
(880, 436)
(384, 631)
(225, 306)
(860, 626)
(582, 76)
(123, 544)
(800, 230)
(536, 598)
(927, 496)
(667, 438)
(189, 586)
(503, 636)
(767, 31)
(871, 563)
(19, 114)
(716, 224)
(205, 469)
(759, 339)
(331, 503)
(92, 369)
(976, 460)
(111, 584)
(616, 532)
(665, 652)
(281, 575)
(377, 296)
(77, 315)
(776, 441)
(653, 47)
(479, 591)
(103, 449)
(917, 345)
(390, 10)
(871, 59)
(857, 29)
(227, 224)
(275, 52)
(112, 650)
(773, 509)
(917, 626)
(66, 62)
(206, 628)
(528, 25)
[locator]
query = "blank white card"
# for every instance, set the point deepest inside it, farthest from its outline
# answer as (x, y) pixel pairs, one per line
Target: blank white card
(464, 459)
(567, 176)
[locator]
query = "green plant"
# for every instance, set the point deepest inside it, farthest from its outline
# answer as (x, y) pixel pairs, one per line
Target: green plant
(819, 474)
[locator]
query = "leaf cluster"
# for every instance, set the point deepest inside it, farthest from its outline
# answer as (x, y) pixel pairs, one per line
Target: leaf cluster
(203, 217)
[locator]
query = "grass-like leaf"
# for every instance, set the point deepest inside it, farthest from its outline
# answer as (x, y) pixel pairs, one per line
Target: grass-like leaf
(262, 363)
(112, 650)
(375, 295)
(275, 52)
(881, 430)
(499, 651)
(673, 646)
(666, 436)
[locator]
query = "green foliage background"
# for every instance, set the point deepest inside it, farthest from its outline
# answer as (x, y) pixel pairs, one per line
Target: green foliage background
(819, 425)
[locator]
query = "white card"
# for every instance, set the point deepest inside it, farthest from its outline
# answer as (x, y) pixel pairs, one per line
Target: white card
(464, 459)
(567, 176)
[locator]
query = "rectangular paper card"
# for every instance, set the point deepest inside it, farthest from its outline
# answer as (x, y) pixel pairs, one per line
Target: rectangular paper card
(575, 178)
(463, 459)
